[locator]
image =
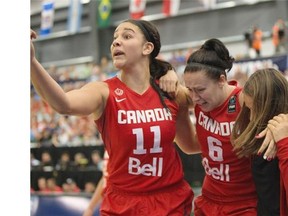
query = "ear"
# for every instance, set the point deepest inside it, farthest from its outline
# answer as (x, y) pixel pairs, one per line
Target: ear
(148, 48)
(222, 81)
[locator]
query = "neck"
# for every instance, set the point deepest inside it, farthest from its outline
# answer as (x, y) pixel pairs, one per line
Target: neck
(138, 83)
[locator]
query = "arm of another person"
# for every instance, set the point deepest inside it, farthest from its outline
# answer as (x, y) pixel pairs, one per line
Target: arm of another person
(279, 128)
(91, 98)
(96, 198)
(186, 137)
(169, 83)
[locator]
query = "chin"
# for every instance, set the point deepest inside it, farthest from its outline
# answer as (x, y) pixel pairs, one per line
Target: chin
(206, 108)
(118, 66)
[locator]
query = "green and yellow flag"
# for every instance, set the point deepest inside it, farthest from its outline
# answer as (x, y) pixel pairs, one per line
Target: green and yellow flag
(104, 12)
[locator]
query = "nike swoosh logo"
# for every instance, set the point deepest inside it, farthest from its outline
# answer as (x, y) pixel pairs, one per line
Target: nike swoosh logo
(119, 100)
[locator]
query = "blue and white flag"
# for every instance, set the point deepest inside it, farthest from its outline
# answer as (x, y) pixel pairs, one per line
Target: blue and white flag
(47, 17)
(74, 16)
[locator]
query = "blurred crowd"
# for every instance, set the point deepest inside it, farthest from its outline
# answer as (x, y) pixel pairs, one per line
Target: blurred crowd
(53, 182)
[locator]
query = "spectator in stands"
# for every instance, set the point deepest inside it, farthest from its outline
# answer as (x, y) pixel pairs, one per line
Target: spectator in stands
(80, 161)
(95, 161)
(34, 163)
(91, 136)
(248, 36)
(46, 161)
(107, 67)
(46, 137)
(278, 36)
(134, 91)
(70, 186)
(89, 187)
(97, 74)
(64, 163)
(42, 185)
(52, 186)
(257, 40)
(63, 131)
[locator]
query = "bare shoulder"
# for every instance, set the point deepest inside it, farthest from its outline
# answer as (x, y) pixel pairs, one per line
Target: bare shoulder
(98, 94)
(97, 87)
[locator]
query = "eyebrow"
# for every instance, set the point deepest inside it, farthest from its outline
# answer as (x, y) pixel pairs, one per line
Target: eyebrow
(125, 29)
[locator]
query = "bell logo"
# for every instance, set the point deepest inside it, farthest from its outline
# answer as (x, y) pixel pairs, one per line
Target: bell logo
(154, 169)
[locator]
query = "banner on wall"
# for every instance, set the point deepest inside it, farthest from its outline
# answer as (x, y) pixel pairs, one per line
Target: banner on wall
(137, 8)
(249, 66)
(74, 16)
(104, 13)
(170, 7)
(47, 17)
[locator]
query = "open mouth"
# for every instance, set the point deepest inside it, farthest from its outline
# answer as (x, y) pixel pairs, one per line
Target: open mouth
(118, 53)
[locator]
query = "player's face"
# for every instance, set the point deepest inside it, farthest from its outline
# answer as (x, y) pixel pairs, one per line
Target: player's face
(249, 104)
(127, 46)
(205, 92)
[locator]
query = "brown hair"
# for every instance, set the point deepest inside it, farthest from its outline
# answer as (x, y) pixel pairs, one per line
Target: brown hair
(268, 89)
(213, 58)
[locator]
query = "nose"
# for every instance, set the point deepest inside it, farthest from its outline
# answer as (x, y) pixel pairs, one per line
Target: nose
(115, 43)
(194, 96)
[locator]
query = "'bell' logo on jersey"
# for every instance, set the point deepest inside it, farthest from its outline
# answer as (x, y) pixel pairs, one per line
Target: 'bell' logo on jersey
(219, 173)
(154, 169)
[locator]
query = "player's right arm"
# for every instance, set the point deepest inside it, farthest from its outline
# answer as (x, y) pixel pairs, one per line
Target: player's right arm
(91, 98)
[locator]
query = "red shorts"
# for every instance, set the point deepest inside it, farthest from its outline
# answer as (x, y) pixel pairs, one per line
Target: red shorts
(206, 207)
(175, 201)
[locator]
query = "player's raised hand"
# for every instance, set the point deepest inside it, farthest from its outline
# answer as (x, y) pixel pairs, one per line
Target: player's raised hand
(33, 35)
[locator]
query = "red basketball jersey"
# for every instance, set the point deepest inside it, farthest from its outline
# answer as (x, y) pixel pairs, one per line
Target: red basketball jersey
(138, 134)
(227, 178)
(283, 164)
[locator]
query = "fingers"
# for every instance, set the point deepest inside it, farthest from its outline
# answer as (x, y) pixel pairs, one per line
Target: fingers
(261, 134)
(266, 141)
(279, 118)
(279, 126)
(33, 34)
(169, 82)
(271, 151)
(271, 127)
(168, 85)
(268, 146)
(274, 132)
